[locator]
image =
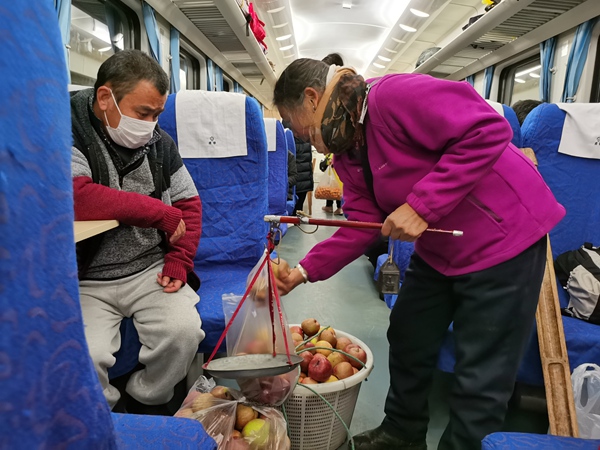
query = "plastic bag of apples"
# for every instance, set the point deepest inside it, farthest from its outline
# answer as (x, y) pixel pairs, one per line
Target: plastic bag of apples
(233, 424)
(252, 332)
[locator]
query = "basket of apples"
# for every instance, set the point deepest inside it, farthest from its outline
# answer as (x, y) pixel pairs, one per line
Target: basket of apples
(334, 365)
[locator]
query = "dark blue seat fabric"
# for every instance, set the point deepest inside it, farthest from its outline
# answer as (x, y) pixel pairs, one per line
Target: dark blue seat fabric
(517, 441)
(278, 173)
(50, 396)
(291, 146)
(511, 116)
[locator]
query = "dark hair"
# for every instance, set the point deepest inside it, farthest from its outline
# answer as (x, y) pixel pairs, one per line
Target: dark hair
(125, 69)
(523, 108)
(334, 58)
(302, 73)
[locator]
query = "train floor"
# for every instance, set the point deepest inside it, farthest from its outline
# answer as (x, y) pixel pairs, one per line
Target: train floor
(350, 302)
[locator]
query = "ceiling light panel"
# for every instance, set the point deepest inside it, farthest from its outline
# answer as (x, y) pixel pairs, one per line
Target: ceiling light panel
(407, 28)
(283, 38)
(418, 13)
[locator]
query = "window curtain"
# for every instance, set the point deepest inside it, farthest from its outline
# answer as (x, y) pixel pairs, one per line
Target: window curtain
(210, 79)
(111, 22)
(152, 31)
(237, 88)
(471, 80)
(547, 51)
(63, 9)
(218, 78)
(175, 61)
(488, 76)
(577, 58)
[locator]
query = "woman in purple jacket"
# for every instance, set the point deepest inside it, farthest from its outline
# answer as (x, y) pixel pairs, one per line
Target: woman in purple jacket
(434, 154)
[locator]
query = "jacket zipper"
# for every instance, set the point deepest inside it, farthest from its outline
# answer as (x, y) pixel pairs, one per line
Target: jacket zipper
(485, 208)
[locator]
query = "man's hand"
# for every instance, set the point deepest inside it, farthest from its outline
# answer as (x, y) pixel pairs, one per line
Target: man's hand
(169, 284)
(404, 224)
(179, 232)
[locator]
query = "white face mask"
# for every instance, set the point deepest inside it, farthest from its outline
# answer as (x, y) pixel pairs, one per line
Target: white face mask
(131, 133)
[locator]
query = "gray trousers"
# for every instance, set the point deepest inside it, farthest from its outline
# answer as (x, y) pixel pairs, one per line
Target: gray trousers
(168, 326)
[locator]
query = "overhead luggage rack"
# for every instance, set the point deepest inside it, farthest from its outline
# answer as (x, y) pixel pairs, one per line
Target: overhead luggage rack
(494, 36)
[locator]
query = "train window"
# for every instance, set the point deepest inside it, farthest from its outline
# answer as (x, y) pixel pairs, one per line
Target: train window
(595, 97)
(98, 29)
(521, 81)
(227, 84)
(189, 70)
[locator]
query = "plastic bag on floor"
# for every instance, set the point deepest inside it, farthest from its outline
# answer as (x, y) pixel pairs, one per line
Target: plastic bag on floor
(233, 424)
(586, 393)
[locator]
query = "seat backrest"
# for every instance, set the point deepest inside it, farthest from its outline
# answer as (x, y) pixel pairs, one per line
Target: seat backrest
(233, 191)
(49, 391)
(573, 180)
(278, 170)
(511, 117)
(291, 146)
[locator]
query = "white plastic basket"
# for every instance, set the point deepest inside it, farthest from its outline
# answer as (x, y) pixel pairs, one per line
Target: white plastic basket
(312, 424)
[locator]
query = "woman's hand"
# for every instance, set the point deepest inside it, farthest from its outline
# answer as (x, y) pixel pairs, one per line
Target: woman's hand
(404, 224)
(287, 281)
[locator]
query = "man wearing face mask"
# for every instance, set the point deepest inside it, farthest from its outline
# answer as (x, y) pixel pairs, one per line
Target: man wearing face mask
(126, 168)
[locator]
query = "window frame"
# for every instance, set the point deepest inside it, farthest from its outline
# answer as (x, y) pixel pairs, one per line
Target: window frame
(595, 94)
(507, 78)
(192, 79)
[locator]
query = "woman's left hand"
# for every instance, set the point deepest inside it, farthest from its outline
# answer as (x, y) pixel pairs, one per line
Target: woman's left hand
(404, 224)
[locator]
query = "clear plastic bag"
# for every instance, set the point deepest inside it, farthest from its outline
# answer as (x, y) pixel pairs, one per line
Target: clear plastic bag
(586, 393)
(233, 424)
(252, 333)
(329, 187)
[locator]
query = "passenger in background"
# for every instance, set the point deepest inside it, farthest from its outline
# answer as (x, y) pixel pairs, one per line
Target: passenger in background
(126, 168)
(333, 59)
(523, 107)
(419, 161)
(292, 175)
(304, 169)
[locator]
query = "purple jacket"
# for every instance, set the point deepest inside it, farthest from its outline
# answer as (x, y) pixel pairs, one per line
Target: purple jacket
(439, 146)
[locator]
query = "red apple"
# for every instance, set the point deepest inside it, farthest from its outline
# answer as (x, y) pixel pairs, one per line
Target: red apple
(297, 337)
(342, 343)
(358, 353)
(319, 356)
(297, 329)
(307, 347)
(343, 370)
(320, 369)
(306, 359)
(308, 380)
(310, 327)
(355, 370)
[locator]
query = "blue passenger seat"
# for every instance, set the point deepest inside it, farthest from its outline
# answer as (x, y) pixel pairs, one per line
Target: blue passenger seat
(291, 146)
(511, 117)
(50, 396)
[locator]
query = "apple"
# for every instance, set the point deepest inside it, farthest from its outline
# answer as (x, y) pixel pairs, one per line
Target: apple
(185, 412)
(221, 392)
(257, 347)
(203, 401)
(297, 329)
(355, 370)
(235, 434)
(309, 380)
(342, 343)
(243, 415)
(310, 327)
(343, 370)
(335, 358)
(358, 353)
(319, 355)
(191, 397)
(273, 390)
(237, 444)
(331, 379)
(297, 337)
(322, 350)
(328, 336)
(307, 347)
(256, 432)
(314, 341)
(306, 359)
(320, 369)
